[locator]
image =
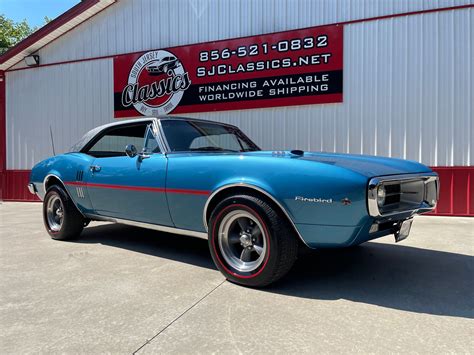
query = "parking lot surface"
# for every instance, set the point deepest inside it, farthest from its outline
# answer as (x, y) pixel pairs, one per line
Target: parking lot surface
(122, 289)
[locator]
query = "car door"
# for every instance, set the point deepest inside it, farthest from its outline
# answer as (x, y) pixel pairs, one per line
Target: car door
(126, 187)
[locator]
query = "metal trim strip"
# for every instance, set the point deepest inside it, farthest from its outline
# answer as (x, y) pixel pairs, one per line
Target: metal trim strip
(156, 227)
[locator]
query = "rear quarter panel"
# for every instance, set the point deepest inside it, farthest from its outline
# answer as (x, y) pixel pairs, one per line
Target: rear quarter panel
(65, 167)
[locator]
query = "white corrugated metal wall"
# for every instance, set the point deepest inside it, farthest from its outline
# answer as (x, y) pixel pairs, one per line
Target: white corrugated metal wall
(407, 80)
(137, 25)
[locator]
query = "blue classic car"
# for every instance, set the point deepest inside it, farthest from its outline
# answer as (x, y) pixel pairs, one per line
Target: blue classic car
(208, 179)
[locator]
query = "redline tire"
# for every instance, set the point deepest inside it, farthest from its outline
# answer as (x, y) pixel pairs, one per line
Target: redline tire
(277, 243)
(71, 224)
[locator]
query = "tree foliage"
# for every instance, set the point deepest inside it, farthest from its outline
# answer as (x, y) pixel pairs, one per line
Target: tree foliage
(12, 32)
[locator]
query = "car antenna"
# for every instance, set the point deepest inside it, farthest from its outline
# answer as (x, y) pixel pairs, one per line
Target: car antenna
(52, 140)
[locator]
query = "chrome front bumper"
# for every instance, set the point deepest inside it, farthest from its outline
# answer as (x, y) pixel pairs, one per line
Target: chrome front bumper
(414, 194)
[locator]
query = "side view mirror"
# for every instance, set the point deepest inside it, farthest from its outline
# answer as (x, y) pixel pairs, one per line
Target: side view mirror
(131, 150)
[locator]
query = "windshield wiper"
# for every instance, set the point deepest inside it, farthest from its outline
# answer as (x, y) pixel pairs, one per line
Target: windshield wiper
(212, 149)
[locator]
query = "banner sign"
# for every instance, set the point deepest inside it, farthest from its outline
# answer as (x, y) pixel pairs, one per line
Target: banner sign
(296, 67)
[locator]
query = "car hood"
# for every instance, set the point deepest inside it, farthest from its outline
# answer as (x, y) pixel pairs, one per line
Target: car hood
(366, 165)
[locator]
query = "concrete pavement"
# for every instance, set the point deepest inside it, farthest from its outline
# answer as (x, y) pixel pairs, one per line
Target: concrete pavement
(122, 289)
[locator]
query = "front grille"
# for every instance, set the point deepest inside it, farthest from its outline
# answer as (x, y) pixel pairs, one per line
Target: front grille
(393, 194)
(403, 193)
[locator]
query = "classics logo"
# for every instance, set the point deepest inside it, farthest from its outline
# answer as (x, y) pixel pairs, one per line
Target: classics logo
(156, 83)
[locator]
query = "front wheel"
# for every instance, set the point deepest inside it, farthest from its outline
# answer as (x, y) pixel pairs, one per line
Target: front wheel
(250, 242)
(61, 218)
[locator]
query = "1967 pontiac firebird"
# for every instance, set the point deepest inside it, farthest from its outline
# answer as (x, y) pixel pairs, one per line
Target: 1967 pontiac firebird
(208, 179)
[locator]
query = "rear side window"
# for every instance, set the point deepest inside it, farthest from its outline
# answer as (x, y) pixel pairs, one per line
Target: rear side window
(114, 141)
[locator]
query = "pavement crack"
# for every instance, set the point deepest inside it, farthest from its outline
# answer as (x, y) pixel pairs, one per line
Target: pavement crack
(178, 317)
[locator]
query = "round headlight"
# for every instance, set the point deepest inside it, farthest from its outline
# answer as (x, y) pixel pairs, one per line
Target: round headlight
(381, 195)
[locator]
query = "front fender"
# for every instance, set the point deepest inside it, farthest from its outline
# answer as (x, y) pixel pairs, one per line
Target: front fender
(249, 183)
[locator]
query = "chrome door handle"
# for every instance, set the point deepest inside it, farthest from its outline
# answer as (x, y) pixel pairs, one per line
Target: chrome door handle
(95, 168)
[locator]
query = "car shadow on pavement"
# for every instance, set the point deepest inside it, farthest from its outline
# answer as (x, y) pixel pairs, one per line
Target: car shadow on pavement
(182, 248)
(386, 275)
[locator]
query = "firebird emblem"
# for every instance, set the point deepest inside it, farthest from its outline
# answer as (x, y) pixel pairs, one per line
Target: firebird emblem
(313, 199)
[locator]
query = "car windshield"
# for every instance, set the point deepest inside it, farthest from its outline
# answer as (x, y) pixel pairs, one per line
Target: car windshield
(186, 136)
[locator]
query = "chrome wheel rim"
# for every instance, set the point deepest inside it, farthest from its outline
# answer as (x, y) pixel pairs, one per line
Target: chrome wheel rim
(242, 241)
(55, 213)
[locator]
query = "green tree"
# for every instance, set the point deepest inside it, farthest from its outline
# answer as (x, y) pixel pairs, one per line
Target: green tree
(13, 32)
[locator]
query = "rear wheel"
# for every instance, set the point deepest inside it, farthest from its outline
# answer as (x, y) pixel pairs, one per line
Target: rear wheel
(61, 218)
(250, 242)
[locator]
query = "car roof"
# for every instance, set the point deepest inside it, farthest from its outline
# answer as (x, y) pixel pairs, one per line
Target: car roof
(160, 118)
(174, 118)
(95, 131)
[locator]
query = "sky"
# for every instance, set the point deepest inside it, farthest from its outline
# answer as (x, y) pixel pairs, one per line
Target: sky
(34, 11)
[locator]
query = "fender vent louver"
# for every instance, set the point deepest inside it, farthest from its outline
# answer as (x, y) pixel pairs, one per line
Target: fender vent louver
(79, 175)
(79, 190)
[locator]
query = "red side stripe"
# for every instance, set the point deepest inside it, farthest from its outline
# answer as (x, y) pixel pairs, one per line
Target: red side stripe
(188, 192)
(139, 188)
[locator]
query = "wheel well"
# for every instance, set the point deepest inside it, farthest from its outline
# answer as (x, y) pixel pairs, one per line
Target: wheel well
(238, 190)
(52, 180)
